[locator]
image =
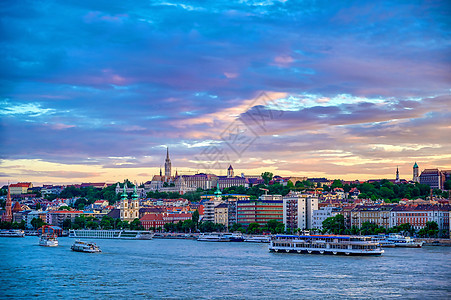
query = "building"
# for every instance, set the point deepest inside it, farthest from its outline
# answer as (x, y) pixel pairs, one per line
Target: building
(57, 217)
(20, 188)
(320, 215)
(376, 214)
(158, 220)
(226, 181)
(129, 207)
(298, 210)
(258, 211)
(221, 213)
(209, 206)
(417, 216)
(432, 177)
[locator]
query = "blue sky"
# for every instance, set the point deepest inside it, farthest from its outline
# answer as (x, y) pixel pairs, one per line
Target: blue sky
(95, 91)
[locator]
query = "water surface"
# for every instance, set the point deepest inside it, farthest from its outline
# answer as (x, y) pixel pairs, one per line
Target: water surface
(174, 269)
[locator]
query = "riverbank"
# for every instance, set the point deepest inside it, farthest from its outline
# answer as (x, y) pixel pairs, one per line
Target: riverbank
(435, 242)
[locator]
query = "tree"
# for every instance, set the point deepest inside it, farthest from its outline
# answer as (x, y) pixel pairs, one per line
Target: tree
(106, 222)
(336, 184)
(253, 228)
(267, 177)
(274, 226)
(447, 185)
(335, 225)
(67, 224)
(136, 225)
(64, 208)
(80, 222)
(195, 217)
(37, 223)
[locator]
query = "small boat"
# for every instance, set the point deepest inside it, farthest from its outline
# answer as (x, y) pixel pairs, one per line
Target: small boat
(213, 237)
(12, 233)
(258, 239)
(48, 240)
(80, 246)
(234, 237)
(403, 241)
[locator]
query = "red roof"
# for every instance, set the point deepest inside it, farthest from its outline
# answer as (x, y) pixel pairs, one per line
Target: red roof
(20, 184)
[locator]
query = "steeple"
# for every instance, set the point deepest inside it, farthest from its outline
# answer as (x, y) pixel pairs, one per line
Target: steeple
(416, 173)
(397, 174)
(167, 165)
(135, 194)
(8, 216)
(161, 174)
(230, 171)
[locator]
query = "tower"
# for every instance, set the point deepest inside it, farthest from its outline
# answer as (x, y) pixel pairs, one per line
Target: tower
(167, 165)
(134, 209)
(230, 172)
(124, 205)
(8, 216)
(397, 174)
(416, 177)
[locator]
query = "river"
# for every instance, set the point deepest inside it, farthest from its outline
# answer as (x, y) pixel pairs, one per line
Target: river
(187, 269)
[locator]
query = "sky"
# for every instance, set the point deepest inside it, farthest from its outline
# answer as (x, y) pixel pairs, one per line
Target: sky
(95, 91)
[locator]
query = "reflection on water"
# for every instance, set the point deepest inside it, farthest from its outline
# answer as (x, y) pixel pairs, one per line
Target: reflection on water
(191, 269)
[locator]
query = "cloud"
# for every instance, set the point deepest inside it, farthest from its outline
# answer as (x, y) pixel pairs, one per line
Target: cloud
(86, 80)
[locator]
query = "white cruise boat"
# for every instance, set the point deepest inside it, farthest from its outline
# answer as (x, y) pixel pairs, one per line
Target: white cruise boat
(48, 240)
(111, 234)
(80, 246)
(258, 239)
(213, 237)
(403, 241)
(12, 233)
(325, 244)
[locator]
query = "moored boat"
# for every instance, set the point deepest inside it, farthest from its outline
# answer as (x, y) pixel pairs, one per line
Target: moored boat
(213, 237)
(80, 246)
(111, 234)
(12, 233)
(234, 237)
(48, 240)
(325, 244)
(258, 239)
(403, 241)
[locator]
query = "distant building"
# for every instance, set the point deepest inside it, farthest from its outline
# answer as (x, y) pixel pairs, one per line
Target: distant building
(432, 177)
(20, 188)
(230, 172)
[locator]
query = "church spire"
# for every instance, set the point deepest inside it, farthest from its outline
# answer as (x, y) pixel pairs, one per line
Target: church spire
(167, 165)
(397, 174)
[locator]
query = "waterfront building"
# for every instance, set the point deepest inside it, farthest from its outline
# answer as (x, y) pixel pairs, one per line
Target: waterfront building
(417, 216)
(432, 177)
(379, 215)
(20, 188)
(259, 211)
(7, 215)
(298, 210)
(129, 208)
(221, 214)
(209, 206)
(158, 220)
(57, 217)
(320, 215)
